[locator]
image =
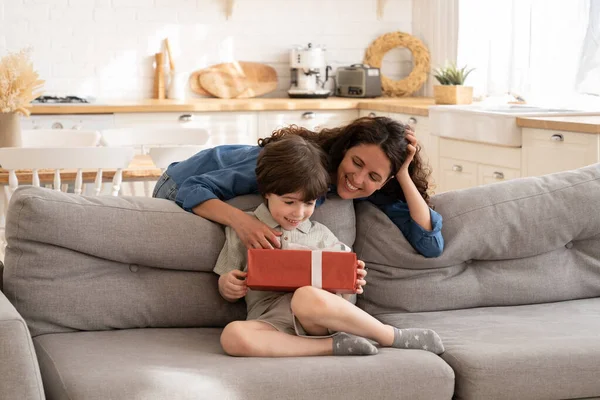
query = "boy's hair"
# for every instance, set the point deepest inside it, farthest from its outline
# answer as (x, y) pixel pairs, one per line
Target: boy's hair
(292, 164)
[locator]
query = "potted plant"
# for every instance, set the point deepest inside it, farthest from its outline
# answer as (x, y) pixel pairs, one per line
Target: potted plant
(19, 84)
(451, 89)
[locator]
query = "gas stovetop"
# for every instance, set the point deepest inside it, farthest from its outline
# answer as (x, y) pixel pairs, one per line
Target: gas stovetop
(56, 99)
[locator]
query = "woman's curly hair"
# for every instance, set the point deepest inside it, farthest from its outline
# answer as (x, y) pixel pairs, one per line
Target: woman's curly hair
(388, 134)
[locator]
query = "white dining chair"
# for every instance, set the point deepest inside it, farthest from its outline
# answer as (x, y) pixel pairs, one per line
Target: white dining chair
(145, 138)
(62, 158)
(59, 138)
(59, 159)
(163, 156)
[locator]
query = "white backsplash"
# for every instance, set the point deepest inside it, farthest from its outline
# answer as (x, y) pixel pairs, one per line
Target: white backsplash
(105, 48)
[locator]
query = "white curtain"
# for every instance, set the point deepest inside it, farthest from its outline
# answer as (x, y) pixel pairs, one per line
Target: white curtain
(588, 77)
(532, 48)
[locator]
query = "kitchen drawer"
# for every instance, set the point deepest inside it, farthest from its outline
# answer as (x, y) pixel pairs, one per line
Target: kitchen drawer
(547, 151)
(372, 113)
(270, 121)
(480, 153)
(418, 123)
(456, 174)
(491, 174)
(223, 127)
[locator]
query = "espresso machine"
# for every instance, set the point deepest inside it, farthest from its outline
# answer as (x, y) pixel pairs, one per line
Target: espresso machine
(309, 72)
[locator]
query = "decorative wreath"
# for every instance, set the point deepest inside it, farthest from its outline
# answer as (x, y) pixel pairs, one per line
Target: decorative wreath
(421, 65)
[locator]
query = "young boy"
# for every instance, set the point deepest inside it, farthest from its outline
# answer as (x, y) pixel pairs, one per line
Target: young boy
(292, 175)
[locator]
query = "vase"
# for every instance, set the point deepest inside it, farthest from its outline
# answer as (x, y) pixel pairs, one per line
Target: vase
(10, 129)
(453, 94)
(176, 88)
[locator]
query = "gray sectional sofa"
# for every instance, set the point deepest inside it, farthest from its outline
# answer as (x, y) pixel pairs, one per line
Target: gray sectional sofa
(114, 298)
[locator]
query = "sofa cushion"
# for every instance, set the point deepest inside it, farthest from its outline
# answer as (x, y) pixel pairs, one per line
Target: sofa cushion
(19, 370)
(95, 263)
(190, 364)
(525, 241)
(542, 351)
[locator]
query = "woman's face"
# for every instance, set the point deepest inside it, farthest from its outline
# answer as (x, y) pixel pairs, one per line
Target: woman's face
(364, 169)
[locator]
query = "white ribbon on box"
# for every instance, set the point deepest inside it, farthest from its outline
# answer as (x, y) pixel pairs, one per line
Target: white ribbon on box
(316, 270)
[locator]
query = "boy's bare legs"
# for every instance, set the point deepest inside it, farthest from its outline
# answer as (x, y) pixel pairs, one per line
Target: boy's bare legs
(319, 310)
(259, 339)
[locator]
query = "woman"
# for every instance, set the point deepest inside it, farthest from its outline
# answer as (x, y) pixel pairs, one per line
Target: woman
(374, 159)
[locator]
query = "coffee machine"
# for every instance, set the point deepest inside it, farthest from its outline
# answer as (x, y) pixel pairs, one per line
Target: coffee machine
(309, 72)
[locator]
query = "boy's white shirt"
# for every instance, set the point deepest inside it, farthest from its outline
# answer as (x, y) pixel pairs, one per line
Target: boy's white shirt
(234, 254)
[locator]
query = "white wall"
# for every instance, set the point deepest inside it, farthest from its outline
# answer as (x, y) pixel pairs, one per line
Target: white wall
(105, 48)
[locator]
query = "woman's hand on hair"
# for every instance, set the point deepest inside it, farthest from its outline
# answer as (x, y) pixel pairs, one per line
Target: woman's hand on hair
(361, 273)
(411, 150)
(255, 234)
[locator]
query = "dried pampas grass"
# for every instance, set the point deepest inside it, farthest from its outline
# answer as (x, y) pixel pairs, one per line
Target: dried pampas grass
(19, 82)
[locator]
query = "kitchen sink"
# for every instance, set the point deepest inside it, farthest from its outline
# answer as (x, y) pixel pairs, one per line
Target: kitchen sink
(512, 109)
(493, 124)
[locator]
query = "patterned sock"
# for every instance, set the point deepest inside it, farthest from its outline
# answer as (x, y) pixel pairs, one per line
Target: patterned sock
(345, 344)
(420, 339)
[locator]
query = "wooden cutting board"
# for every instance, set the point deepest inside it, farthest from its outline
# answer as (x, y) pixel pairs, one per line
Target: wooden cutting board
(239, 80)
(195, 82)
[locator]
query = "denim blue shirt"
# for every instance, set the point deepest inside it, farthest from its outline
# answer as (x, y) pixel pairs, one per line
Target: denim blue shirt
(224, 172)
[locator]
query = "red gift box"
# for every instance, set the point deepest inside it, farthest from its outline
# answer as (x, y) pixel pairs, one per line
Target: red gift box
(288, 270)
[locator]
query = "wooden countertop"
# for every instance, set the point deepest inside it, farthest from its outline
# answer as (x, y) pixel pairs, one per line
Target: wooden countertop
(582, 123)
(141, 168)
(408, 105)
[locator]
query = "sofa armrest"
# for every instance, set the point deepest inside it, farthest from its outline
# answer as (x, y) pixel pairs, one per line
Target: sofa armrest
(19, 370)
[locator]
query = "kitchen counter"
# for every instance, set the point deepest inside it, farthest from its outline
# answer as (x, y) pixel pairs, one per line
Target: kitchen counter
(583, 124)
(408, 105)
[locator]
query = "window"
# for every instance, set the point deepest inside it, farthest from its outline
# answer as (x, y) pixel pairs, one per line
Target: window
(538, 49)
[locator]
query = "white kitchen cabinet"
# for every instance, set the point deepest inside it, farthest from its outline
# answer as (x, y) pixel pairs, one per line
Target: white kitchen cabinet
(269, 121)
(548, 151)
(456, 174)
(467, 164)
(223, 127)
(372, 113)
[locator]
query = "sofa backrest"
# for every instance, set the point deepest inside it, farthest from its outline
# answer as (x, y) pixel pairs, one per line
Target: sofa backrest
(526, 241)
(96, 263)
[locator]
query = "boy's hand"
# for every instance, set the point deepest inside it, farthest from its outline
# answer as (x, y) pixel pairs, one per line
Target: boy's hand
(232, 285)
(361, 273)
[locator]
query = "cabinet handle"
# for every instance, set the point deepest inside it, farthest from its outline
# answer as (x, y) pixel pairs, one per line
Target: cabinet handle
(57, 125)
(186, 118)
(498, 175)
(309, 115)
(557, 137)
(412, 121)
(372, 115)
(457, 168)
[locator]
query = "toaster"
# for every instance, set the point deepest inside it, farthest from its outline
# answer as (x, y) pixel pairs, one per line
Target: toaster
(358, 80)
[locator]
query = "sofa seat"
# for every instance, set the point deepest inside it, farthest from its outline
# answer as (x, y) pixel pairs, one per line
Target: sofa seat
(181, 364)
(543, 351)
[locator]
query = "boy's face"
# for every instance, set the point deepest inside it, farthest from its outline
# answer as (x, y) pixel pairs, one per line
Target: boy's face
(290, 210)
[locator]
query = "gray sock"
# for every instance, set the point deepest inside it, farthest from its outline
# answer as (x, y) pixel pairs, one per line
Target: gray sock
(420, 339)
(345, 344)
